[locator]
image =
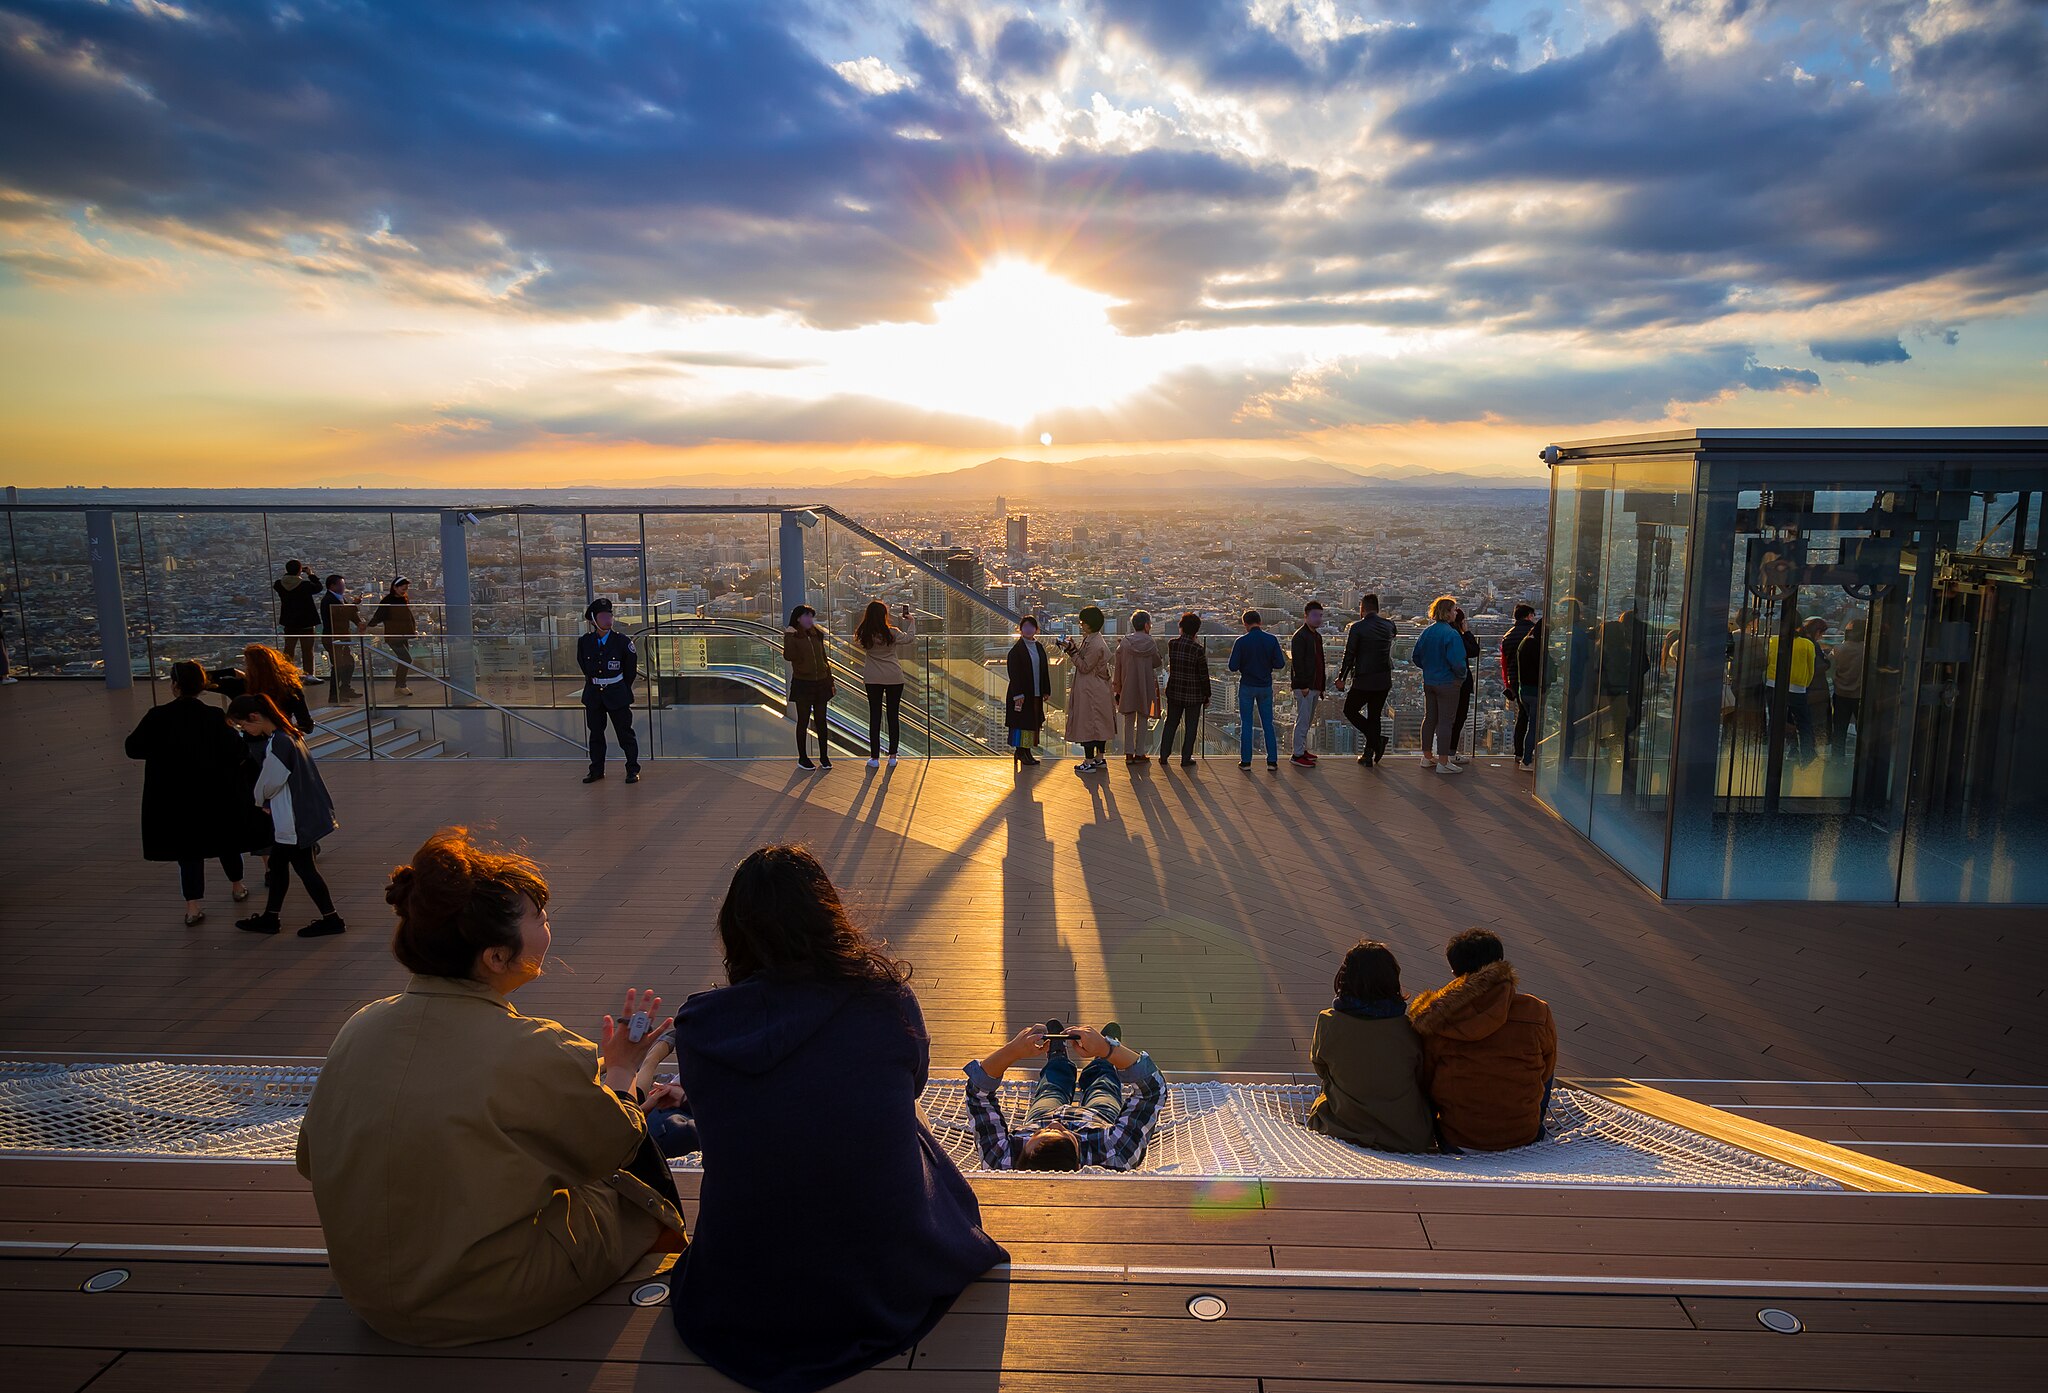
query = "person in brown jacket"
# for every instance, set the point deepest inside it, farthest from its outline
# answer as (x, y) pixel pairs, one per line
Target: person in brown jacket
(1135, 685)
(1489, 1050)
(810, 681)
(1370, 1059)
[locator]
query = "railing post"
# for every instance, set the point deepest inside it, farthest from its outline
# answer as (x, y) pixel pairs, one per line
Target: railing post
(105, 554)
(790, 546)
(457, 618)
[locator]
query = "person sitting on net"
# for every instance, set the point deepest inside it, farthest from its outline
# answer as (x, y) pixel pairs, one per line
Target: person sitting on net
(1105, 1129)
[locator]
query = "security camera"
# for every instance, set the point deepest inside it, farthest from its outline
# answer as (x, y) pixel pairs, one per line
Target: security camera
(470, 518)
(1550, 454)
(807, 518)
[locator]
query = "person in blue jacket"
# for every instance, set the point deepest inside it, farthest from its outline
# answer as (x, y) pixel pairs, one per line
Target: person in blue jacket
(1254, 658)
(1440, 653)
(832, 1230)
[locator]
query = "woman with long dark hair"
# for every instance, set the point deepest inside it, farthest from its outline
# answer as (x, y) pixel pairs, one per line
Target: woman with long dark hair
(1370, 1059)
(289, 785)
(195, 807)
(1471, 642)
(883, 648)
(832, 1230)
(478, 1172)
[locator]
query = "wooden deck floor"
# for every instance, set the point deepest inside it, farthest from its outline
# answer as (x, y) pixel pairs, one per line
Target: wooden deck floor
(1327, 1287)
(1206, 912)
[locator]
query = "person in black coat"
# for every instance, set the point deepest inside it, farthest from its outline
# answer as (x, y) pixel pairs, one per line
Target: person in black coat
(832, 1230)
(194, 788)
(609, 666)
(1024, 700)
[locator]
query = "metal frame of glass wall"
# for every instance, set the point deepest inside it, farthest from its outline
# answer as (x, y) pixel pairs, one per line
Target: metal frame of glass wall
(1796, 665)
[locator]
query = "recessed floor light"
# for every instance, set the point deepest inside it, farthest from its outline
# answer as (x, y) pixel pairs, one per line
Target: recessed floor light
(104, 1281)
(1206, 1307)
(650, 1293)
(1784, 1322)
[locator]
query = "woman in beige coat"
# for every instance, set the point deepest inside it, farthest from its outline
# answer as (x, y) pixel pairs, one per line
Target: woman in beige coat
(1136, 686)
(478, 1172)
(1091, 709)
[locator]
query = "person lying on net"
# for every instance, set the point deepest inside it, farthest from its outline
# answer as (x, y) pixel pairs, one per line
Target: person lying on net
(1104, 1129)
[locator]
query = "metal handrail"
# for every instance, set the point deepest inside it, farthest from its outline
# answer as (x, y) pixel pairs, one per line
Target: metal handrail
(955, 739)
(505, 711)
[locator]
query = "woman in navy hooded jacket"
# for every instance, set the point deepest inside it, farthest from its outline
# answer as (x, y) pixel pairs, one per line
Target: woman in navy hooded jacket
(832, 1230)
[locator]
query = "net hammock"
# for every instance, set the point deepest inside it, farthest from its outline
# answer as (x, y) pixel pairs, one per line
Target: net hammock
(1207, 1129)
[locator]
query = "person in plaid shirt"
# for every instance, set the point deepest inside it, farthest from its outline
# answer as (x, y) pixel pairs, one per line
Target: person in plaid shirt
(1057, 1135)
(1187, 689)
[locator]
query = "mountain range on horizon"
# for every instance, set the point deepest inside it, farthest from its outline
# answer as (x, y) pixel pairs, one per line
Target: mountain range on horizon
(1096, 475)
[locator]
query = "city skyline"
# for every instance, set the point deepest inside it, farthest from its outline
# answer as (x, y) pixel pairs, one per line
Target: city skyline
(809, 242)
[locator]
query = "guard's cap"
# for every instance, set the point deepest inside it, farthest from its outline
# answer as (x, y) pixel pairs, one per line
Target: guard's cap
(600, 604)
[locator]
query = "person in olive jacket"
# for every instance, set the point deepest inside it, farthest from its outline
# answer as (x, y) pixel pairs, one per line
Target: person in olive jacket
(1489, 1049)
(1370, 1059)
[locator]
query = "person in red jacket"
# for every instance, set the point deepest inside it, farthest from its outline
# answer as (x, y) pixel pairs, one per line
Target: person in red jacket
(1489, 1049)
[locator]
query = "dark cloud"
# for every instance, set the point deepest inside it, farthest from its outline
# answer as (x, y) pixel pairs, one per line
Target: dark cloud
(1371, 392)
(578, 158)
(570, 158)
(1026, 48)
(1879, 348)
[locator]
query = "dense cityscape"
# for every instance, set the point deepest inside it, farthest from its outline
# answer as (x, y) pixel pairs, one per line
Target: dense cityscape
(200, 581)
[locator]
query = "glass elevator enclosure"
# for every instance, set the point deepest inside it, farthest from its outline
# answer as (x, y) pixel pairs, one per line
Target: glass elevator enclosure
(1800, 665)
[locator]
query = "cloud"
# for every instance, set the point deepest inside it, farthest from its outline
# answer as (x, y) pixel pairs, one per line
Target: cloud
(573, 159)
(1025, 48)
(1878, 348)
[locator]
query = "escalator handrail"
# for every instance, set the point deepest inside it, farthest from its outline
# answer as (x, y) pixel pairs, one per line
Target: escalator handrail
(777, 681)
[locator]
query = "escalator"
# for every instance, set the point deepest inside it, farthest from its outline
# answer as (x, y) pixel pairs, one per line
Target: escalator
(732, 661)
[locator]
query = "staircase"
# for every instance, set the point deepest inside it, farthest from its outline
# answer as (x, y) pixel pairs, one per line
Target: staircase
(352, 733)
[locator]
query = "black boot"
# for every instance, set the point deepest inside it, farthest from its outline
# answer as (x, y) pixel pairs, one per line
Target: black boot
(265, 923)
(323, 926)
(1055, 1041)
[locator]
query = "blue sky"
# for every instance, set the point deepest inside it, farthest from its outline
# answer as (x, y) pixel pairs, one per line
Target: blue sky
(463, 241)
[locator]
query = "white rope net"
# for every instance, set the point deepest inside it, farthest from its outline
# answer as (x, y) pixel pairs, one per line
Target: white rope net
(1236, 1129)
(1205, 1129)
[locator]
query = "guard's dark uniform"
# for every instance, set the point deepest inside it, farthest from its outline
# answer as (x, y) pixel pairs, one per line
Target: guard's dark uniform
(609, 665)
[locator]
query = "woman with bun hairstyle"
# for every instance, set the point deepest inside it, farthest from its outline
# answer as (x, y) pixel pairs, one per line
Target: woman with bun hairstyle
(288, 784)
(478, 1172)
(833, 1231)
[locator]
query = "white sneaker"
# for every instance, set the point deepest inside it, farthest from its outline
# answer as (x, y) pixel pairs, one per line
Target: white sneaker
(8, 681)
(892, 761)
(1449, 768)
(1461, 760)
(876, 763)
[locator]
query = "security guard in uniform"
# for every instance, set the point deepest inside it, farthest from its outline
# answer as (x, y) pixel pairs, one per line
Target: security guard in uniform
(609, 665)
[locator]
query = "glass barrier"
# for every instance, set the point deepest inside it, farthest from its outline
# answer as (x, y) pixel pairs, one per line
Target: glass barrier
(703, 590)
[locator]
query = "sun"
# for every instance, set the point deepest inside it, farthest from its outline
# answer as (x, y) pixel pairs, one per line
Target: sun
(1014, 344)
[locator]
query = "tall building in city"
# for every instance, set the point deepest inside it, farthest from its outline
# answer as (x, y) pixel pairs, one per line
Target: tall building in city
(963, 616)
(1002, 506)
(1017, 535)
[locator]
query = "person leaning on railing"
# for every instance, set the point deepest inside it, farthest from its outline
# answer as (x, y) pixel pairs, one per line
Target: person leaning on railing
(478, 1172)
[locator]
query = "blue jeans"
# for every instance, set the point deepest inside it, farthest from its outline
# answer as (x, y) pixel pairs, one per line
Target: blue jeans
(1102, 1092)
(1258, 699)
